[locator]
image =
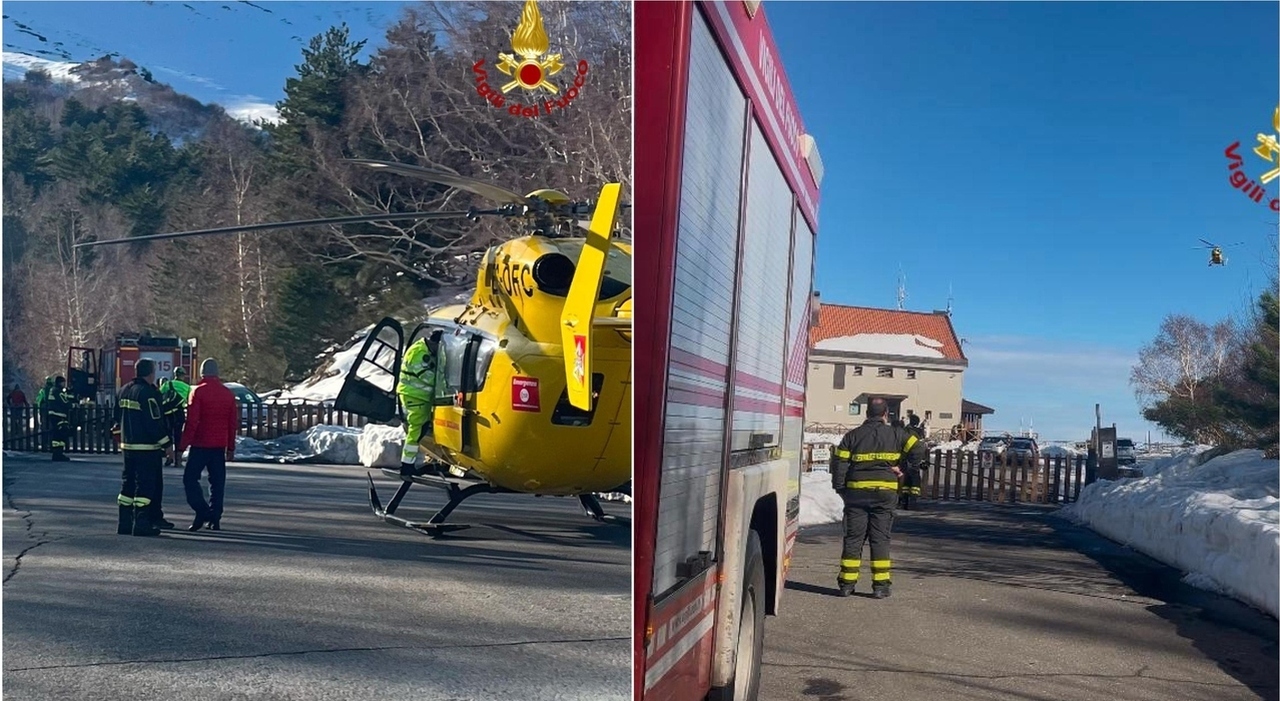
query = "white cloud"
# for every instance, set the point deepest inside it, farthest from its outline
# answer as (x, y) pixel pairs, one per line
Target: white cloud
(1053, 384)
(250, 108)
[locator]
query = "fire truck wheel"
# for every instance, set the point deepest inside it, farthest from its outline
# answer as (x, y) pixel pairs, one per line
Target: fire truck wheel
(750, 645)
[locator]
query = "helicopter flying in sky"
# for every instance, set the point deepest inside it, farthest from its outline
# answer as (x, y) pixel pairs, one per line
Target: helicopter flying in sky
(1215, 252)
(534, 396)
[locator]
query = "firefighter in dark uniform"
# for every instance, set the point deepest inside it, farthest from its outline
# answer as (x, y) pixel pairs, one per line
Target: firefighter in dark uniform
(912, 476)
(864, 471)
(144, 440)
(57, 405)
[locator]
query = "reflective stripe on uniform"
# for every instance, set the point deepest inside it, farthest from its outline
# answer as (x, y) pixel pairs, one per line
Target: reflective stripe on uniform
(848, 576)
(910, 442)
(913, 491)
(880, 570)
(851, 564)
(59, 444)
(842, 453)
(871, 484)
(130, 404)
(141, 501)
(124, 500)
(868, 457)
(142, 446)
(51, 412)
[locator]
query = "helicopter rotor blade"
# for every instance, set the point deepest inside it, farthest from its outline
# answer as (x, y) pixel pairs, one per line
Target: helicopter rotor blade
(1210, 245)
(477, 187)
(354, 219)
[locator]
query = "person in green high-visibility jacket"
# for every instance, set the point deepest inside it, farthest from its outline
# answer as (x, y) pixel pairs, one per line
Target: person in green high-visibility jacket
(42, 414)
(422, 364)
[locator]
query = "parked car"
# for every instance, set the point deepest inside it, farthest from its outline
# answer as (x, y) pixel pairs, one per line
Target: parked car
(249, 403)
(993, 446)
(1126, 452)
(1024, 451)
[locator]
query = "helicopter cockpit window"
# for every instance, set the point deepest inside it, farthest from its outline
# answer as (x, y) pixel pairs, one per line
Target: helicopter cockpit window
(453, 361)
(617, 268)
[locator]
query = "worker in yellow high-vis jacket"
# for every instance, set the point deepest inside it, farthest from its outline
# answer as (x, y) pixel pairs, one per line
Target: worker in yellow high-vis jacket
(422, 364)
(865, 472)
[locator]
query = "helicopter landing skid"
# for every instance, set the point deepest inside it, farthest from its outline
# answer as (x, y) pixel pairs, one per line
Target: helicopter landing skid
(458, 489)
(591, 505)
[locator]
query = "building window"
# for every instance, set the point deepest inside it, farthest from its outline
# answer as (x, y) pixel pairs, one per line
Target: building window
(884, 372)
(911, 374)
(928, 414)
(945, 415)
(837, 378)
(854, 408)
(857, 371)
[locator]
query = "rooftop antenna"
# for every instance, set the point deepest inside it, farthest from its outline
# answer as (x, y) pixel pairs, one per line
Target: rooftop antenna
(902, 288)
(949, 299)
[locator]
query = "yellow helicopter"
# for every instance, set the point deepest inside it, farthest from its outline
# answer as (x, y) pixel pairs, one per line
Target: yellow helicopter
(1215, 252)
(534, 396)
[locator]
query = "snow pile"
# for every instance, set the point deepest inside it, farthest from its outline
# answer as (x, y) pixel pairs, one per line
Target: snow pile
(326, 386)
(380, 446)
(1152, 467)
(1056, 451)
(954, 446)
(819, 503)
(817, 438)
(885, 344)
(1218, 519)
(324, 444)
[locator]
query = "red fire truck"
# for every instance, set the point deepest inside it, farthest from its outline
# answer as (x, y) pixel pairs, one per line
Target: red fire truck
(727, 181)
(98, 374)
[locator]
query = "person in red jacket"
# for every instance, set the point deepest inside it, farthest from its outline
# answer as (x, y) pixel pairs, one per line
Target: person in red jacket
(212, 419)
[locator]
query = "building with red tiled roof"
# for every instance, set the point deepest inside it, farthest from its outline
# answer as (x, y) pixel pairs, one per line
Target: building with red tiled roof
(914, 360)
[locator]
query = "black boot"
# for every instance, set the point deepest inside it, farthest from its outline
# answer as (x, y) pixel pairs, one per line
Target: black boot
(880, 591)
(406, 469)
(846, 588)
(142, 525)
(126, 521)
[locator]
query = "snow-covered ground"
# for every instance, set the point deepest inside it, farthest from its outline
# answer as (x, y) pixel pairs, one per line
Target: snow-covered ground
(819, 503)
(1218, 520)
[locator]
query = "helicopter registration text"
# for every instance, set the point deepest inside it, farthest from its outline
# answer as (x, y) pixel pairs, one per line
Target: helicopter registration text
(510, 280)
(524, 394)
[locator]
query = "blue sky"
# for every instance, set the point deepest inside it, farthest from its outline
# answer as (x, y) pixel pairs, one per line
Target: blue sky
(1054, 164)
(234, 53)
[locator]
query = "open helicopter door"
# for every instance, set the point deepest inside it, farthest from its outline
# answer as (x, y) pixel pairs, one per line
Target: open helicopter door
(460, 372)
(577, 318)
(369, 389)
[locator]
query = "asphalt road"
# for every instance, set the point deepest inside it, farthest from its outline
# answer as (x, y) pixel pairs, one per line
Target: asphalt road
(1011, 603)
(304, 594)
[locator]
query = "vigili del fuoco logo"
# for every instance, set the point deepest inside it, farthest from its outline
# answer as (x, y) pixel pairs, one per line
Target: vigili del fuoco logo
(530, 69)
(1268, 149)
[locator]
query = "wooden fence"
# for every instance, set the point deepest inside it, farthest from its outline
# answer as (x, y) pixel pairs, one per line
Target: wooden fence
(26, 430)
(959, 475)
